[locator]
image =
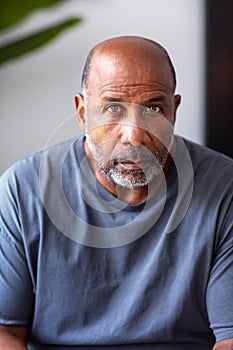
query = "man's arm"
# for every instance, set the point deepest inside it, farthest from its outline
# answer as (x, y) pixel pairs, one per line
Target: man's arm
(226, 344)
(13, 338)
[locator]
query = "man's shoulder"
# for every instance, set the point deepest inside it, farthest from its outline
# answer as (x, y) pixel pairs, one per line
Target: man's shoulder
(30, 166)
(205, 156)
(211, 168)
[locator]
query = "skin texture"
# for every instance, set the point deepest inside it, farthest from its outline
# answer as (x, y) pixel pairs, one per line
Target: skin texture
(13, 338)
(226, 344)
(132, 72)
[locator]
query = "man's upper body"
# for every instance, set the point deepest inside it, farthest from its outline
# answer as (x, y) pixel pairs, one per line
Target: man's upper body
(125, 235)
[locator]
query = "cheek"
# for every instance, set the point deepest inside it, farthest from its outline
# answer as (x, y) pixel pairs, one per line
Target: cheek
(100, 134)
(161, 136)
(96, 134)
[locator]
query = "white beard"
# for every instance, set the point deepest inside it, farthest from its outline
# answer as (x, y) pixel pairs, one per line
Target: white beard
(129, 178)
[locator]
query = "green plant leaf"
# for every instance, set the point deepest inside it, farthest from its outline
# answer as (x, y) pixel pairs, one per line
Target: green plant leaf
(13, 11)
(34, 41)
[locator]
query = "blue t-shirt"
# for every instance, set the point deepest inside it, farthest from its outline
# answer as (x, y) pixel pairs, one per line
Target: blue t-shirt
(80, 267)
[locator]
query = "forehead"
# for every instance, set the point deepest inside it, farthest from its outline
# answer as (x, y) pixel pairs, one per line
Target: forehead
(129, 71)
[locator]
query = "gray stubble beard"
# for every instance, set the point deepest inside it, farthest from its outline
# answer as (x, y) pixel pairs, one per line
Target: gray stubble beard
(130, 178)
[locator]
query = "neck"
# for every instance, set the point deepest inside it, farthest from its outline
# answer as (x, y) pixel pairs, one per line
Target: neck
(131, 196)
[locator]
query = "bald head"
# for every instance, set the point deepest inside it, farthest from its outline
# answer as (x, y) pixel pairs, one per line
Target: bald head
(129, 47)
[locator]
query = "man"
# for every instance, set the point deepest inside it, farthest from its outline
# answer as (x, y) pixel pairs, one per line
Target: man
(125, 235)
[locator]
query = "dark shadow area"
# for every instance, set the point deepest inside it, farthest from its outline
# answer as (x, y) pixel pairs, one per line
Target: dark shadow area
(219, 75)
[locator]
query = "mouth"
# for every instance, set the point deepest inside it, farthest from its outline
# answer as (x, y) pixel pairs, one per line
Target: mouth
(133, 166)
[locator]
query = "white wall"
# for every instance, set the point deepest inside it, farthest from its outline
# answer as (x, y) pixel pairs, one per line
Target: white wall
(37, 90)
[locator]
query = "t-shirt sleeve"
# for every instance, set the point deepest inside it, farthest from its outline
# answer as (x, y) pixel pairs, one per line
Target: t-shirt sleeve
(16, 292)
(219, 297)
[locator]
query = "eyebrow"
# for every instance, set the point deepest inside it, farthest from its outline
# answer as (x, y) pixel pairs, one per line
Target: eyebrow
(113, 99)
(155, 99)
(151, 100)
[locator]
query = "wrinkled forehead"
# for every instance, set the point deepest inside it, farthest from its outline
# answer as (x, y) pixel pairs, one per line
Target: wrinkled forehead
(129, 67)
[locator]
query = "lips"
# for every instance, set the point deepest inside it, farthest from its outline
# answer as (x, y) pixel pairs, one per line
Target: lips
(133, 165)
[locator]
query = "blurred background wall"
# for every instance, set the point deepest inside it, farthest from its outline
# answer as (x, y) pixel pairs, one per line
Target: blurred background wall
(36, 101)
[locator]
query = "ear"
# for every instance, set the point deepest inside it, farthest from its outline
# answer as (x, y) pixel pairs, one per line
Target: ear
(80, 110)
(177, 101)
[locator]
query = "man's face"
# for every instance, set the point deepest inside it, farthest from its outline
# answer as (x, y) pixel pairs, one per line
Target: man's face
(129, 118)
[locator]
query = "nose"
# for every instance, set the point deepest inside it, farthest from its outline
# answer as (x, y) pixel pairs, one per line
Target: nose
(134, 132)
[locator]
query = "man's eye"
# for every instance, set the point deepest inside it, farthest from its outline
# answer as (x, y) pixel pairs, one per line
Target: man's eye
(152, 110)
(114, 108)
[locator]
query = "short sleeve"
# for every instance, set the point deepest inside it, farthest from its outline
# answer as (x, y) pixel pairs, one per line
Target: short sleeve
(219, 296)
(16, 294)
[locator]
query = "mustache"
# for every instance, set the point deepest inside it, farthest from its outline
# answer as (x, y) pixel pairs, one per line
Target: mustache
(134, 154)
